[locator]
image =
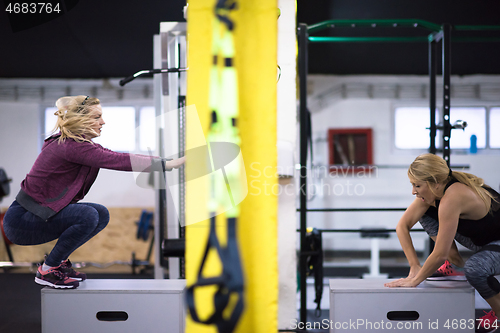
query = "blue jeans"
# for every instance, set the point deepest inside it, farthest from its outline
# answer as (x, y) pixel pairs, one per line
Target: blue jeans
(73, 226)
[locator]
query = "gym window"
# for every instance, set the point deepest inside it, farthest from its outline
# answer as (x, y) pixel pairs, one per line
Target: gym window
(476, 125)
(126, 129)
(494, 124)
(411, 127)
(147, 118)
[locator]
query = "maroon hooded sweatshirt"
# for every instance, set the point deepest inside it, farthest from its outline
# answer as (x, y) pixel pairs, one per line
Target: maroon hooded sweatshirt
(64, 172)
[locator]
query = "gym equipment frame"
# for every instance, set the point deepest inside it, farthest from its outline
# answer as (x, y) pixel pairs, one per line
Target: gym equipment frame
(438, 33)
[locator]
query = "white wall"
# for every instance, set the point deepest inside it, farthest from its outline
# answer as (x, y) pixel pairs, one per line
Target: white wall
(369, 101)
(286, 135)
(21, 135)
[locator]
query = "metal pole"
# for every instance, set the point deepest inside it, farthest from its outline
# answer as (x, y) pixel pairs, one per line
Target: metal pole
(182, 178)
(303, 46)
(446, 55)
(162, 200)
(432, 94)
(181, 102)
(432, 101)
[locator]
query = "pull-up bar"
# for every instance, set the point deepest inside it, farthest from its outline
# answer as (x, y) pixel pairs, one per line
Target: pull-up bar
(415, 39)
(408, 23)
(435, 29)
(320, 39)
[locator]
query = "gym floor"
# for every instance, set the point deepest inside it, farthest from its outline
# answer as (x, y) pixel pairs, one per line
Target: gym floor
(20, 311)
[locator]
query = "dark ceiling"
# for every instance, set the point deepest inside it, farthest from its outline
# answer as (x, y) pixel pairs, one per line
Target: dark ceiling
(402, 58)
(112, 38)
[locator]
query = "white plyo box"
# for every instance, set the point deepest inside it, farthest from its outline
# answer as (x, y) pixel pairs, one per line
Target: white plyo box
(118, 305)
(364, 305)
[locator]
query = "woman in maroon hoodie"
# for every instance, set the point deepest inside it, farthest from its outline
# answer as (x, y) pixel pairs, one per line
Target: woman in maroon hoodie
(47, 206)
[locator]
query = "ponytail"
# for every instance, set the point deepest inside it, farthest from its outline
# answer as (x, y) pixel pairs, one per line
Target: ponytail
(476, 184)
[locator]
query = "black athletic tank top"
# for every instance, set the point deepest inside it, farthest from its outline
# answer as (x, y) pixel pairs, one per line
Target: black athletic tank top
(482, 231)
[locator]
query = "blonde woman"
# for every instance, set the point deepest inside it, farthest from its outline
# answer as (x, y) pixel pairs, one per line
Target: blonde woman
(47, 206)
(463, 204)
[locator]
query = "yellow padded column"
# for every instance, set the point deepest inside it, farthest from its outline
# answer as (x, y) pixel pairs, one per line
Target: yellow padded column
(256, 61)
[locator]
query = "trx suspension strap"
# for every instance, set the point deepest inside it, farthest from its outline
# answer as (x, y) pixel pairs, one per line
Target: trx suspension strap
(314, 246)
(223, 134)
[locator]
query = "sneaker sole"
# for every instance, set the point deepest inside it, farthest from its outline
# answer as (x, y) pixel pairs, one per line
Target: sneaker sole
(57, 286)
(77, 279)
(447, 278)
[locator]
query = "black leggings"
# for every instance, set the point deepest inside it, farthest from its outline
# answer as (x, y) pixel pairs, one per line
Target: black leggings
(73, 226)
(481, 267)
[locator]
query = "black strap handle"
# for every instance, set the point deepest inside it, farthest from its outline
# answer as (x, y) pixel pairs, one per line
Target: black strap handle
(230, 282)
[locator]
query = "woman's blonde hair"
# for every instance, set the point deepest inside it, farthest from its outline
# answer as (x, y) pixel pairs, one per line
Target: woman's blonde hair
(433, 169)
(74, 117)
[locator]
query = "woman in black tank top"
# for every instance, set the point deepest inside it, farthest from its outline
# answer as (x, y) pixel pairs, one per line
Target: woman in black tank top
(461, 205)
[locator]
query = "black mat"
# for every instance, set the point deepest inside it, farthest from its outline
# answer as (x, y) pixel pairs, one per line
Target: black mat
(20, 308)
(20, 301)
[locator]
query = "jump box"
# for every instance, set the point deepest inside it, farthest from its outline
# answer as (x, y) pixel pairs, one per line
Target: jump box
(365, 305)
(124, 306)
